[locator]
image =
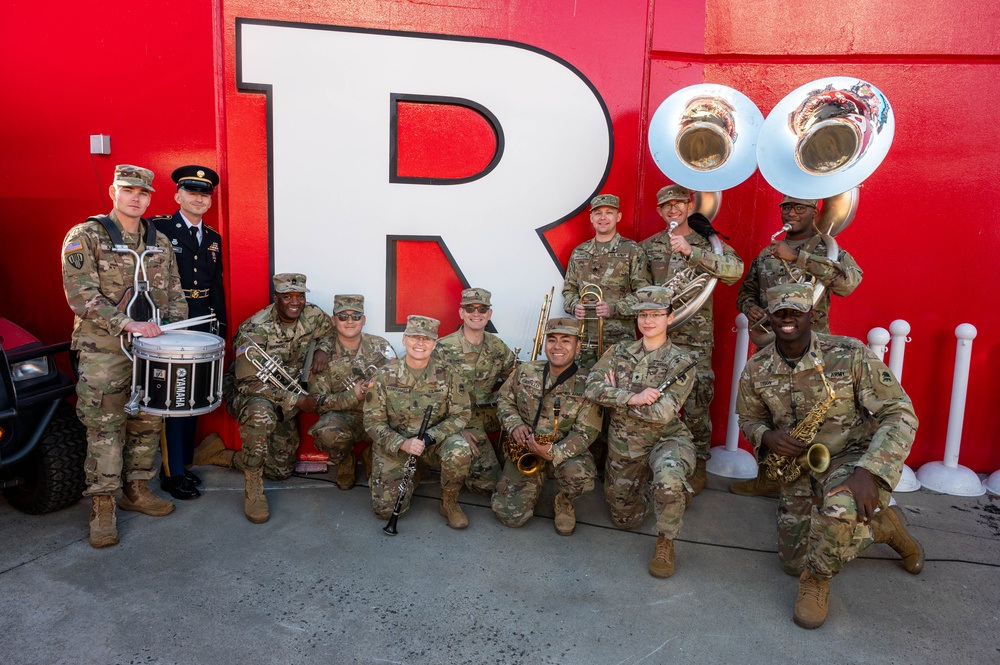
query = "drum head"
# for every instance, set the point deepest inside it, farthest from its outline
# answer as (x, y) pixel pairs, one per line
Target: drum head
(180, 345)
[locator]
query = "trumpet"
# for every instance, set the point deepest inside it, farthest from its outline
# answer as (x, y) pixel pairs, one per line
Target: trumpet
(526, 461)
(270, 370)
(590, 295)
(543, 316)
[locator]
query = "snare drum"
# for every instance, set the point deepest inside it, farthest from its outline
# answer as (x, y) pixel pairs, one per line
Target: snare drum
(178, 373)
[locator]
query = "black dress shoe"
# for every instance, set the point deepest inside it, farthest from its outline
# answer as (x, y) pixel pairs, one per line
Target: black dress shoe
(179, 487)
(193, 477)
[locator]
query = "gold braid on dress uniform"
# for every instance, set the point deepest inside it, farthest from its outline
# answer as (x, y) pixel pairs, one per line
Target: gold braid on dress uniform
(787, 469)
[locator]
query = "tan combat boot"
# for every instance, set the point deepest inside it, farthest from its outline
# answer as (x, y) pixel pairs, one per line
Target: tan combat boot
(345, 472)
(699, 478)
(254, 502)
(212, 451)
(366, 463)
(813, 602)
(136, 496)
(759, 486)
(103, 522)
(452, 511)
(662, 564)
(889, 527)
(565, 521)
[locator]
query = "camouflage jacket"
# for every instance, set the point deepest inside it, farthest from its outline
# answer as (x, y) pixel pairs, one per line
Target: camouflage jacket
(634, 370)
(479, 367)
(871, 413)
(579, 419)
(619, 268)
(394, 407)
(841, 277)
(288, 345)
(664, 264)
(331, 385)
(98, 283)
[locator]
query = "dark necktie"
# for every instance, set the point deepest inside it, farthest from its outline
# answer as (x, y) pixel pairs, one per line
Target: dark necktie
(194, 235)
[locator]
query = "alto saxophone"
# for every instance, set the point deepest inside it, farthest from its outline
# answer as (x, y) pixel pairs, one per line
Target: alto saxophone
(787, 469)
(526, 461)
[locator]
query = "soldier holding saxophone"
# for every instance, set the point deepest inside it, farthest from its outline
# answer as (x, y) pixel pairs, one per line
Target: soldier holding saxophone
(852, 404)
(542, 406)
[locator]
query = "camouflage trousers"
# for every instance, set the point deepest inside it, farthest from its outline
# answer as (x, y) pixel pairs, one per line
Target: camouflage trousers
(821, 532)
(453, 455)
(336, 432)
(270, 436)
(517, 494)
(696, 408)
(118, 446)
(485, 468)
(630, 485)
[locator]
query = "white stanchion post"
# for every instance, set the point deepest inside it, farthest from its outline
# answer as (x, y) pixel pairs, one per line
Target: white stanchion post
(878, 340)
(731, 461)
(948, 476)
(899, 330)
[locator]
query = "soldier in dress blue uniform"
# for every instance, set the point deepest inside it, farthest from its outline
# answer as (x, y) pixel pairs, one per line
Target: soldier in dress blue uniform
(198, 248)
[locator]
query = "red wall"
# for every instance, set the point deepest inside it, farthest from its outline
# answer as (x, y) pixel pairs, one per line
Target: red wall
(147, 75)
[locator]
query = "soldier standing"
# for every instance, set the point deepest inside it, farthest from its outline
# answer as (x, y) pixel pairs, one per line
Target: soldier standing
(266, 412)
(394, 409)
(615, 264)
(483, 362)
(198, 248)
(669, 253)
(340, 389)
(860, 413)
(98, 283)
(803, 251)
(527, 408)
(647, 383)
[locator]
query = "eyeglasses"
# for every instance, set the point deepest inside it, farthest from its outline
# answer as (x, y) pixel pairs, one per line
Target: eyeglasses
(677, 204)
(797, 209)
(652, 315)
(344, 316)
(482, 309)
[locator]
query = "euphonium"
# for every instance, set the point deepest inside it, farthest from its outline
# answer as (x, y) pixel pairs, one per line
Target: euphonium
(816, 458)
(526, 461)
(590, 295)
(270, 370)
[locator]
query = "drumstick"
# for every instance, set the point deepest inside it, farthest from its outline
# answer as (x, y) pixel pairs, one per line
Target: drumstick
(186, 323)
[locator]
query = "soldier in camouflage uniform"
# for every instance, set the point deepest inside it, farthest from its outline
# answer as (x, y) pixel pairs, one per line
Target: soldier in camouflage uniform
(668, 254)
(827, 518)
(483, 362)
(394, 410)
(98, 283)
(340, 389)
(648, 443)
(266, 412)
(618, 266)
(526, 407)
(803, 251)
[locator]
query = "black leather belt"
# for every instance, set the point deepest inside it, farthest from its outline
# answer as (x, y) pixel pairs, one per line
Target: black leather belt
(196, 294)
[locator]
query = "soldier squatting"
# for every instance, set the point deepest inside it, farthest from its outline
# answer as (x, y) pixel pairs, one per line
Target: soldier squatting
(652, 393)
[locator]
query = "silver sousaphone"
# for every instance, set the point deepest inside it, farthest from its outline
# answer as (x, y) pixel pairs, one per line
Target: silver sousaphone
(704, 137)
(821, 142)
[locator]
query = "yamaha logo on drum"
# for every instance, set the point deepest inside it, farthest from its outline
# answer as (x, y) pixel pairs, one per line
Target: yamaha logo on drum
(181, 388)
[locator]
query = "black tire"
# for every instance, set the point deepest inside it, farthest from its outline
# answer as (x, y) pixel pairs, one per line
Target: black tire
(53, 473)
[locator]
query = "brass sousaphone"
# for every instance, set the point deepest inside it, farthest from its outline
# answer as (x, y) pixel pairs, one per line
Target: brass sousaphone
(821, 142)
(704, 137)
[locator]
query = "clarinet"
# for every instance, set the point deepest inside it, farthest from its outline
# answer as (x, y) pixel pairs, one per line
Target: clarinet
(408, 469)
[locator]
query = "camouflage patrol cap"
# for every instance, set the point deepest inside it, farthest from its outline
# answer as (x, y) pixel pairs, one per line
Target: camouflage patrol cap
(195, 178)
(653, 297)
(795, 200)
(790, 296)
(422, 325)
(604, 200)
(348, 302)
(127, 175)
(289, 282)
(563, 326)
(672, 193)
(476, 296)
